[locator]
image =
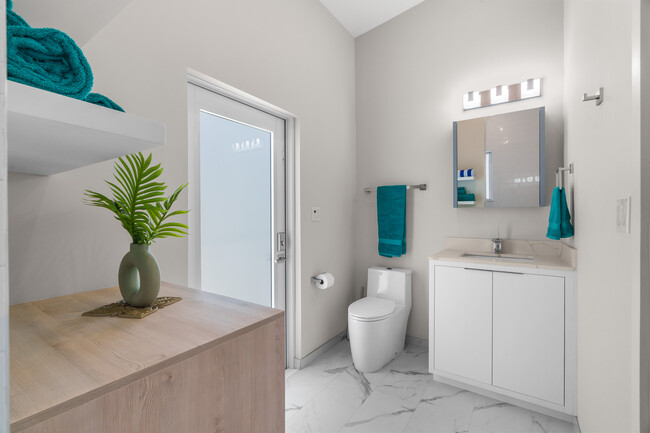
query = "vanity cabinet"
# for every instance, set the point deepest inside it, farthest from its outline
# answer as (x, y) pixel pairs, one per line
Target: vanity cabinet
(505, 331)
(463, 323)
(528, 335)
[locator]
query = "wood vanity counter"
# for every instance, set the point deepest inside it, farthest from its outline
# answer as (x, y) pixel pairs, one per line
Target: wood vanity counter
(205, 364)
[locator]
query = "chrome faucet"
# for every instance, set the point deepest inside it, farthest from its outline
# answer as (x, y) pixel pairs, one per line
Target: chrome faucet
(496, 245)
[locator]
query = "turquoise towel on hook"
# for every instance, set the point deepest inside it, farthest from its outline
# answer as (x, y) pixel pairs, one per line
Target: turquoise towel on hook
(559, 219)
(391, 220)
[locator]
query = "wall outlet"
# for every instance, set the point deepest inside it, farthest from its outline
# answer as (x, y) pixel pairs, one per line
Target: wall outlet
(623, 215)
(315, 214)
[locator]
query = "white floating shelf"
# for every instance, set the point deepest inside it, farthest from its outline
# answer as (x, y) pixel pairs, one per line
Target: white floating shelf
(49, 133)
(465, 178)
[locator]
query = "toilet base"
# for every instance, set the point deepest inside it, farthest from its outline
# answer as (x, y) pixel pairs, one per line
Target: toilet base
(375, 344)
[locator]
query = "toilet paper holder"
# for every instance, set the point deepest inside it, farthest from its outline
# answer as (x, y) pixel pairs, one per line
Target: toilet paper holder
(316, 280)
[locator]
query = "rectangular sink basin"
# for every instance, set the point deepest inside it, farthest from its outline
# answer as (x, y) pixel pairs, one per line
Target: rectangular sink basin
(499, 257)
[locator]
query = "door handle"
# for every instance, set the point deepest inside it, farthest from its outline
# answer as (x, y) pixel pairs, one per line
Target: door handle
(280, 259)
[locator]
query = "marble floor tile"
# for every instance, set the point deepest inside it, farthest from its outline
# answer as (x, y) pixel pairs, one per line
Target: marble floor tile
(389, 408)
(332, 407)
(493, 416)
(331, 396)
(443, 409)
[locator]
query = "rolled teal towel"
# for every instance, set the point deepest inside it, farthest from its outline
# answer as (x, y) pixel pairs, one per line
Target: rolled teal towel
(466, 197)
(104, 101)
(48, 59)
(461, 190)
(559, 219)
(391, 220)
(13, 19)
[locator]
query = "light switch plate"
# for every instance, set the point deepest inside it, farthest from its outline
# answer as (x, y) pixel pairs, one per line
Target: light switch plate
(315, 214)
(623, 215)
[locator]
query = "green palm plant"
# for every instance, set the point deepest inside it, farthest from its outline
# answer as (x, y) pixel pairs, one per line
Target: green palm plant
(138, 200)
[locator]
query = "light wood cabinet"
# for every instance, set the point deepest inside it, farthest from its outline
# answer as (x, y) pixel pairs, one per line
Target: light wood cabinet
(506, 332)
(205, 364)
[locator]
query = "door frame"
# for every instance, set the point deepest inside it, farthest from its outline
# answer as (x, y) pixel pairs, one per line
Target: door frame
(193, 175)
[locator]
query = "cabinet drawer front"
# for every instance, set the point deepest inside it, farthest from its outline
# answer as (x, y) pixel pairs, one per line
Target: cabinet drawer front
(463, 322)
(528, 335)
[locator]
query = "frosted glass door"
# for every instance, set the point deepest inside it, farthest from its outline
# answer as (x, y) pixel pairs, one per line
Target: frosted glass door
(241, 200)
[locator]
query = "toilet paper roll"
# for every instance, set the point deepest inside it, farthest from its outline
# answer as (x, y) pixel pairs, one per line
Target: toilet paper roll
(326, 280)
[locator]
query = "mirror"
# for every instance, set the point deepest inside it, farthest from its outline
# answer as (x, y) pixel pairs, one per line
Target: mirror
(499, 160)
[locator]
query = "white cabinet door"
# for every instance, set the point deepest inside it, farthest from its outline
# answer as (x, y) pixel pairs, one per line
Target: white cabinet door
(463, 322)
(528, 333)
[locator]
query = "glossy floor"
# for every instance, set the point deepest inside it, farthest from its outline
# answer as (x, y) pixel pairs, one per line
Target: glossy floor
(330, 395)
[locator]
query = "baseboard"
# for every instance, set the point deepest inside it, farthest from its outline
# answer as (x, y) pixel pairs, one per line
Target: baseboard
(419, 342)
(505, 398)
(304, 362)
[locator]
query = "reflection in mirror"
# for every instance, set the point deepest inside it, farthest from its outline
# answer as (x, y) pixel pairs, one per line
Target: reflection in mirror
(499, 160)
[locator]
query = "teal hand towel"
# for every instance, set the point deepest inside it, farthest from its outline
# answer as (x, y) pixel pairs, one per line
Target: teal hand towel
(559, 219)
(104, 101)
(462, 190)
(466, 197)
(48, 59)
(391, 220)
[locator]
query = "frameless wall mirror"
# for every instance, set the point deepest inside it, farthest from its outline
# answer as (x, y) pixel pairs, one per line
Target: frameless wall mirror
(499, 161)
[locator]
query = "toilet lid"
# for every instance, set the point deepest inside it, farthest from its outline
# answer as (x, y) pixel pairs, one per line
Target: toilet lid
(371, 308)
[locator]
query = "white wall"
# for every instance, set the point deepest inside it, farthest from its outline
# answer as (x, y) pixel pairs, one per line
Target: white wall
(4, 286)
(291, 53)
(411, 75)
(602, 49)
(644, 49)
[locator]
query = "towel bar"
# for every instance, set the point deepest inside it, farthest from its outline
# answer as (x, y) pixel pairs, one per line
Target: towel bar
(421, 187)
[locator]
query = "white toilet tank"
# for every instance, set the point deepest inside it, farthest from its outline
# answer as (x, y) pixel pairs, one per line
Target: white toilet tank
(390, 283)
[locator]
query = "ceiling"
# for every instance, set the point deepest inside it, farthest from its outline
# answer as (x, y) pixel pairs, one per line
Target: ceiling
(357, 16)
(89, 16)
(360, 16)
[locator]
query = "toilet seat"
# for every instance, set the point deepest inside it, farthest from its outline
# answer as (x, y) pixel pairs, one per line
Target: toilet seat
(371, 309)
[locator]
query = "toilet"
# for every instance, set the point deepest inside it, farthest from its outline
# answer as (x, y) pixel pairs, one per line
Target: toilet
(377, 323)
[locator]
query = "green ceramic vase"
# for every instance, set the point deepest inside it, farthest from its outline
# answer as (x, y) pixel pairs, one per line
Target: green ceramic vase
(139, 276)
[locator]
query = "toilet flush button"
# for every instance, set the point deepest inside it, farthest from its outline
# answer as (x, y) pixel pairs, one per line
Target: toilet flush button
(315, 214)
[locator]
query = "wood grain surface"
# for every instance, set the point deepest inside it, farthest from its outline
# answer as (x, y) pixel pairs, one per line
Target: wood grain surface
(207, 363)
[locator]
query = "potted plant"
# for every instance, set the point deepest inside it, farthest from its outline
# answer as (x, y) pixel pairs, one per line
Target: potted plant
(140, 205)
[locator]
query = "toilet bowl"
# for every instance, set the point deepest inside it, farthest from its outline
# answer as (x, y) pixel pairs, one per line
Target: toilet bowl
(377, 323)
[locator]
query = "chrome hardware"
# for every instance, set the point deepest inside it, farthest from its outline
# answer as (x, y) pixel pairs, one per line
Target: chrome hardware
(280, 259)
(598, 97)
(496, 245)
(281, 241)
(421, 187)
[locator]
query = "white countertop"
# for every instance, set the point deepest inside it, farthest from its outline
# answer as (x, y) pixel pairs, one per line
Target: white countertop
(543, 254)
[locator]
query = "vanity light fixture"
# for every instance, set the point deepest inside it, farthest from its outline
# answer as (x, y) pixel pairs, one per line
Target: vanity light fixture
(499, 95)
(471, 100)
(530, 88)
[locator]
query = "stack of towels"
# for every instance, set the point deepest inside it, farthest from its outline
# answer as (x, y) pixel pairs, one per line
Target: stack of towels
(463, 195)
(50, 60)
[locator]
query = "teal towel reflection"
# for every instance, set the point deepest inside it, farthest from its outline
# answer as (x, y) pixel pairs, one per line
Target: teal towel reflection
(559, 220)
(391, 220)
